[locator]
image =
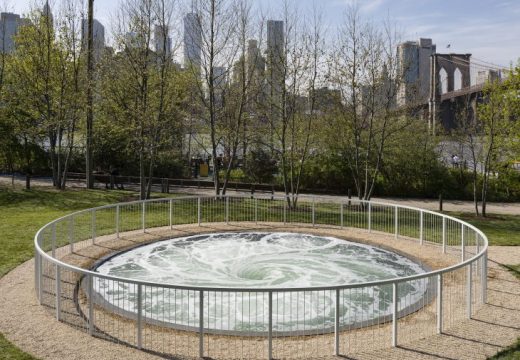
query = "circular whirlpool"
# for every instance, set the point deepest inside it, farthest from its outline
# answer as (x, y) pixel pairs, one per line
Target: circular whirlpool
(235, 269)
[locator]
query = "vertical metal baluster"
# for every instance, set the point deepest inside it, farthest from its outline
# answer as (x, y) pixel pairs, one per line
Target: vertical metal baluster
(143, 215)
(462, 247)
(58, 292)
(443, 235)
(139, 316)
(256, 211)
(341, 214)
(313, 211)
(93, 225)
(198, 211)
(227, 209)
(369, 217)
(201, 323)
(396, 218)
(394, 314)
(90, 290)
(270, 329)
(336, 324)
(421, 227)
(117, 221)
(469, 278)
(71, 233)
(53, 240)
(170, 214)
(439, 303)
(483, 278)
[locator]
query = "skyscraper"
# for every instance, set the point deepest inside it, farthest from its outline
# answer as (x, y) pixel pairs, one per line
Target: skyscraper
(98, 34)
(9, 24)
(414, 70)
(162, 42)
(192, 40)
(275, 51)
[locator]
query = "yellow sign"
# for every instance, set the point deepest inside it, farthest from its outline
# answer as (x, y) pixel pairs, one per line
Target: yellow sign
(204, 170)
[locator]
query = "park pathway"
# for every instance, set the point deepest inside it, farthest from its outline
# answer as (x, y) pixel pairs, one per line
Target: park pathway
(429, 204)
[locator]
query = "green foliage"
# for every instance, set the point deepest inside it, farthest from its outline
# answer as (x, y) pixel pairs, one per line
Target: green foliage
(260, 166)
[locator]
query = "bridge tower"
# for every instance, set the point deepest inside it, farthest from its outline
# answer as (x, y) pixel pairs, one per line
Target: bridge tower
(448, 72)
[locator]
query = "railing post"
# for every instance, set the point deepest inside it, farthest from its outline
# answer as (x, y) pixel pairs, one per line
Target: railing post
(369, 217)
(439, 303)
(139, 316)
(40, 278)
(341, 214)
(396, 220)
(90, 290)
(170, 214)
(270, 329)
(421, 228)
(53, 240)
(313, 211)
(201, 324)
(117, 221)
(483, 278)
(198, 211)
(394, 314)
(93, 225)
(71, 233)
(256, 211)
(58, 292)
(469, 279)
(285, 210)
(143, 215)
(462, 247)
(336, 324)
(227, 209)
(443, 234)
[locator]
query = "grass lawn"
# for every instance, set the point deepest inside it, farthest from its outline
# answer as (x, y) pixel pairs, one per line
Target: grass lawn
(500, 229)
(24, 212)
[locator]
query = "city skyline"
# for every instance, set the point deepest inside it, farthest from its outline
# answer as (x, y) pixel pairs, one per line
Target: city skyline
(453, 29)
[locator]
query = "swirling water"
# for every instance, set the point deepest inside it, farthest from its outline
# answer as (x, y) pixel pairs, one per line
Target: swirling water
(258, 260)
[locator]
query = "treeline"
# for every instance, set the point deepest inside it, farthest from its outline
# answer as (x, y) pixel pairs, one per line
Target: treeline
(313, 110)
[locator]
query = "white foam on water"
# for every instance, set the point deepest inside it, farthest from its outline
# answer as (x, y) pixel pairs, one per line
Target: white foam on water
(259, 260)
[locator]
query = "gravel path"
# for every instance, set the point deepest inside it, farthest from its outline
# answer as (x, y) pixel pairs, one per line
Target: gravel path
(496, 325)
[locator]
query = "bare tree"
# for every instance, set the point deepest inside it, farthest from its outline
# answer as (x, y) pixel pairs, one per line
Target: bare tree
(216, 22)
(363, 67)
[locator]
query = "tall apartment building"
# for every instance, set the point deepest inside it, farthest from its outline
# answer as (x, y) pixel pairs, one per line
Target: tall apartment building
(98, 37)
(275, 53)
(192, 40)
(9, 24)
(162, 40)
(414, 71)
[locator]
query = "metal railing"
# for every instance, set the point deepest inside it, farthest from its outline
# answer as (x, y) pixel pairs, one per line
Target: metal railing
(351, 317)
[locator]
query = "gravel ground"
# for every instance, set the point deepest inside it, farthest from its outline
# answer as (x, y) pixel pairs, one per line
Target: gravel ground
(493, 327)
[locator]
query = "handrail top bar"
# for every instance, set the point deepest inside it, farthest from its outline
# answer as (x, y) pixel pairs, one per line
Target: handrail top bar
(83, 271)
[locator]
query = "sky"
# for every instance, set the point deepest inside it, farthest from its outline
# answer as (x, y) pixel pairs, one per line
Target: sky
(488, 29)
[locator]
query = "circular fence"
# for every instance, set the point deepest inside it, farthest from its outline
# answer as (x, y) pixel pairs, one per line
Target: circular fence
(228, 322)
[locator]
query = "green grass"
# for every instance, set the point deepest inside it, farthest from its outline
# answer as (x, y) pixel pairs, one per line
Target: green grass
(10, 352)
(24, 212)
(500, 229)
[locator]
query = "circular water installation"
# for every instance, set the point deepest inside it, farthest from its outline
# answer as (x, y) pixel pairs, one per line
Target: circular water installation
(249, 262)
